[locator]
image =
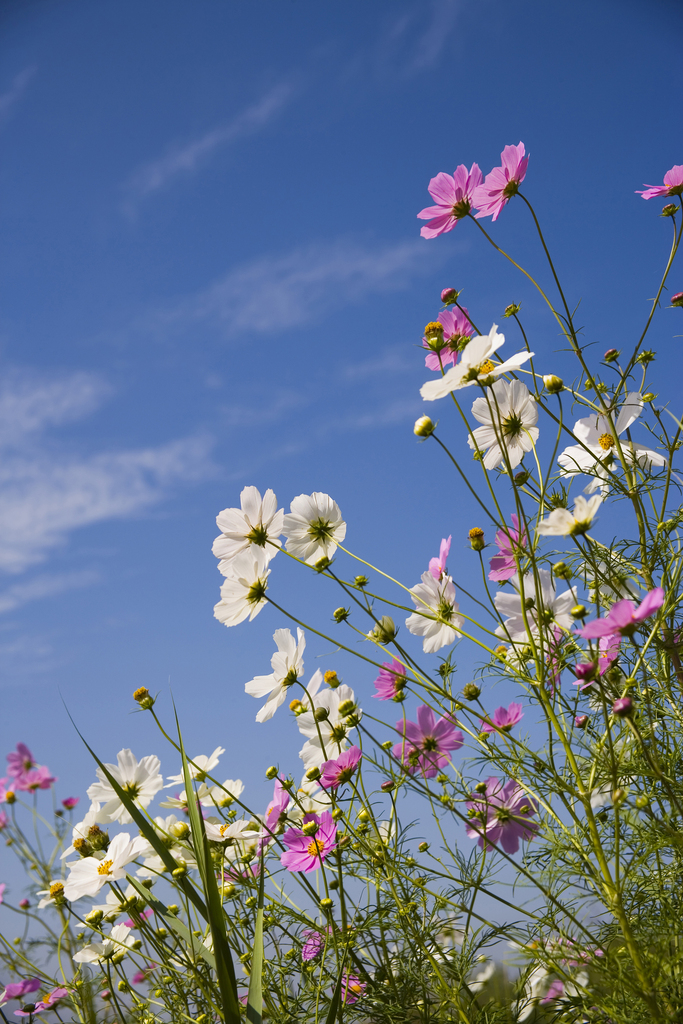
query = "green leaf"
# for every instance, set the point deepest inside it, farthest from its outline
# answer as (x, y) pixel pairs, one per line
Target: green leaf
(255, 998)
(147, 830)
(225, 970)
(336, 995)
(178, 926)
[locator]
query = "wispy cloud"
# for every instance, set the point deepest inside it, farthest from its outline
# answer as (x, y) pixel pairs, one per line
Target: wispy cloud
(48, 492)
(152, 176)
(16, 90)
(46, 585)
(281, 292)
(389, 362)
(417, 39)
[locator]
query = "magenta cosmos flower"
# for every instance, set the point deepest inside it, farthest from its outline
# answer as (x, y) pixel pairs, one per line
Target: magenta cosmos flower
(437, 566)
(504, 718)
(500, 815)
(47, 1003)
(275, 811)
(427, 743)
(352, 989)
(456, 328)
(70, 802)
(314, 944)
(623, 617)
(20, 761)
(502, 183)
(36, 778)
(509, 541)
(588, 672)
(17, 989)
(306, 853)
(453, 196)
(390, 681)
(340, 770)
(673, 185)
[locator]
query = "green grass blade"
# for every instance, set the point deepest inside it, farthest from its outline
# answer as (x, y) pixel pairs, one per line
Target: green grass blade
(178, 926)
(336, 995)
(255, 998)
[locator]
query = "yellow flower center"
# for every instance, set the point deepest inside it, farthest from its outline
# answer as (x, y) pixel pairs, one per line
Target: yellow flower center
(606, 441)
(433, 329)
(105, 867)
(475, 533)
(486, 367)
(56, 889)
(315, 847)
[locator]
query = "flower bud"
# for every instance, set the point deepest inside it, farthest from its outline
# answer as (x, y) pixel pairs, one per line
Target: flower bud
(143, 698)
(326, 904)
(562, 571)
(677, 299)
(433, 332)
(641, 801)
(423, 847)
(423, 427)
(337, 813)
(123, 985)
(313, 774)
(649, 396)
(399, 697)
(117, 959)
(618, 796)
(521, 477)
(29, 1007)
(385, 630)
(320, 714)
(173, 908)
(622, 707)
(296, 706)
(512, 309)
(579, 611)
(322, 564)
(271, 773)
(480, 787)
(449, 296)
(332, 679)
(181, 870)
(98, 839)
(10, 797)
(581, 721)
(341, 614)
(471, 691)
(387, 785)
(94, 918)
(310, 828)
(333, 883)
(180, 830)
(501, 652)
(670, 210)
(363, 814)
(24, 904)
(611, 354)
(346, 708)
(646, 356)
(476, 538)
(361, 581)
(553, 384)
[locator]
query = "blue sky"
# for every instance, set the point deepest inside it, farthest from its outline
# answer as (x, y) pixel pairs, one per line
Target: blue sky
(212, 276)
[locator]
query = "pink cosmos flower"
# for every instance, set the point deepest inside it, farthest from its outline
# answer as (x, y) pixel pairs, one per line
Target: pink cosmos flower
(49, 1001)
(6, 786)
(352, 987)
(275, 811)
(588, 672)
(502, 183)
(141, 976)
(20, 761)
(673, 185)
(453, 196)
(70, 802)
(554, 992)
(17, 989)
(581, 721)
(509, 540)
(35, 778)
(314, 944)
(306, 853)
(340, 770)
(3, 886)
(130, 923)
(623, 617)
(504, 718)
(437, 566)
(427, 742)
(456, 326)
(500, 815)
(390, 681)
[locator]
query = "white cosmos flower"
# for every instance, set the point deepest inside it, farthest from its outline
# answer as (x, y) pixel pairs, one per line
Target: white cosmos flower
(141, 780)
(87, 876)
(117, 942)
(287, 664)
(50, 893)
(314, 753)
(313, 799)
(199, 767)
(598, 444)
(209, 796)
(243, 593)
(80, 830)
(563, 523)
(554, 610)
(221, 831)
(335, 727)
(257, 524)
(152, 864)
(508, 414)
(313, 527)
(475, 362)
(112, 904)
(436, 618)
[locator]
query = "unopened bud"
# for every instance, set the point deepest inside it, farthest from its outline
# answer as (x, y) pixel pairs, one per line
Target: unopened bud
(649, 396)
(143, 698)
(385, 630)
(310, 828)
(641, 801)
(346, 707)
(271, 773)
(471, 691)
(423, 427)
(363, 814)
(581, 721)
(337, 813)
(117, 958)
(322, 564)
(387, 785)
(521, 477)
(29, 1008)
(480, 787)
(645, 357)
(180, 830)
(341, 614)
(94, 918)
(512, 309)
(501, 652)
(181, 870)
(423, 847)
(320, 714)
(326, 904)
(579, 611)
(449, 296)
(677, 299)
(622, 707)
(10, 796)
(670, 210)
(313, 774)
(611, 354)
(562, 571)
(618, 796)
(24, 904)
(173, 908)
(476, 538)
(332, 679)
(553, 384)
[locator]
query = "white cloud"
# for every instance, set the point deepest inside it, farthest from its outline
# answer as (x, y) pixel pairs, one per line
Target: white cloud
(16, 90)
(183, 160)
(276, 293)
(48, 491)
(46, 585)
(417, 40)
